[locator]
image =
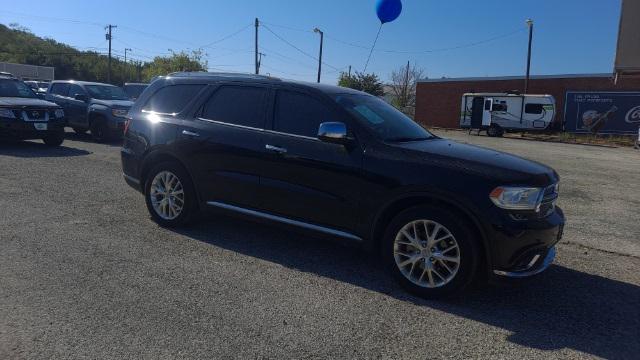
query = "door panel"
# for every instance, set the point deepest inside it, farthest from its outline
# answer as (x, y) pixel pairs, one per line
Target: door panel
(312, 181)
(76, 109)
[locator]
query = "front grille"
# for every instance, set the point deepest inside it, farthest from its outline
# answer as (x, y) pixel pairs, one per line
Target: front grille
(35, 114)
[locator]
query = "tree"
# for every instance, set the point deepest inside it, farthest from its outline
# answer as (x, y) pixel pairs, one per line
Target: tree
(369, 83)
(177, 61)
(403, 87)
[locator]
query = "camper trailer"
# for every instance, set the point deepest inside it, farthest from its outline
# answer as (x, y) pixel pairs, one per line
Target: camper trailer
(499, 112)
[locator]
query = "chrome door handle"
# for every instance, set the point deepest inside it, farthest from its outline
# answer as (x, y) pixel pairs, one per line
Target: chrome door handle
(277, 149)
(190, 133)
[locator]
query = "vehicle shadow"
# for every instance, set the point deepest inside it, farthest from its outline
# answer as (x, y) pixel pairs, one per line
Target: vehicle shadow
(34, 149)
(561, 308)
(88, 139)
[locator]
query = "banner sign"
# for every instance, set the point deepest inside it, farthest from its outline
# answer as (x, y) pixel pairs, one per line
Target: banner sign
(602, 112)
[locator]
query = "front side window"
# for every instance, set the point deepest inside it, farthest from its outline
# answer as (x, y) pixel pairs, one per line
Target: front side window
(384, 120)
(75, 89)
(60, 89)
(106, 92)
(172, 99)
(300, 114)
(15, 88)
(239, 105)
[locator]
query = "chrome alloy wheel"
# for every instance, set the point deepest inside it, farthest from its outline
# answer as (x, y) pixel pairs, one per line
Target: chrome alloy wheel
(426, 253)
(167, 195)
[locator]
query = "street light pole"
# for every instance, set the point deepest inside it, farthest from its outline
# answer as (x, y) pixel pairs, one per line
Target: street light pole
(526, 80)
(316, 30)
(125, 64)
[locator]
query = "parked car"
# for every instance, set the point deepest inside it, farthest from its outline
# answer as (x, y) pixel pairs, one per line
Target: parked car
(38, 87)
(23, 116)
(134, 90)
(341, 163)
(96, 107)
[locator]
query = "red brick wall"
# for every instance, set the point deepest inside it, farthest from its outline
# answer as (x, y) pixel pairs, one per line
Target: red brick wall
(438, 103)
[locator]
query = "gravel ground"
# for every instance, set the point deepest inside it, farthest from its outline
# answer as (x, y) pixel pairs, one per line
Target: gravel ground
(86, 274)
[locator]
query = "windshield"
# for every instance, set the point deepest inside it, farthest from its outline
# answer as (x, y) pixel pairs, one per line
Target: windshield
(106, 92)
(385, 120)
(134, 91)
(15, 88)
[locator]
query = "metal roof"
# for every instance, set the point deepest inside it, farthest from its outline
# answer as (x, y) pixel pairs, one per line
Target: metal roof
(534, 77)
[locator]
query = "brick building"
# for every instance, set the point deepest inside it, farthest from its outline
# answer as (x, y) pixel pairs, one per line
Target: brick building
(438, 100)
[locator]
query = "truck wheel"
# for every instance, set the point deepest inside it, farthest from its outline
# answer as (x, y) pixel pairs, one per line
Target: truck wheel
(55, 139)
(99, 130)
(430, 251)
(170, 195)
(495, 131)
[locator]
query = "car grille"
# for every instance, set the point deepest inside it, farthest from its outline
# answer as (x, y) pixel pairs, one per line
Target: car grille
(35, 115)
(549, 198)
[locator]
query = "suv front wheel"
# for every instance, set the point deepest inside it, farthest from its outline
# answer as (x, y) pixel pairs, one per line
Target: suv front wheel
(430, 251)
(170, 195)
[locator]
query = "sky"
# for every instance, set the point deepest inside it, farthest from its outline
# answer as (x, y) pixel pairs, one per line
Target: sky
(452, 38)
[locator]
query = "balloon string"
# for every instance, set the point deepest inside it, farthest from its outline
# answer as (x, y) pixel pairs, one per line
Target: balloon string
(371, 52)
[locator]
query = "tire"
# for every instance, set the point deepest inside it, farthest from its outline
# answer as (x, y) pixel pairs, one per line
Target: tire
(495, 131)
(99, 130)
(189, 198)
(79, 131)
(55, 139)
(447, 277)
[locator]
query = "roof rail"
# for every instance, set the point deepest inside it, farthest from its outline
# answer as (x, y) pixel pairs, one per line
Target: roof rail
(220, 74)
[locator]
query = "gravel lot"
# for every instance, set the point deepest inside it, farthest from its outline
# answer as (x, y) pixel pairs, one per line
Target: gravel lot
(85, 273)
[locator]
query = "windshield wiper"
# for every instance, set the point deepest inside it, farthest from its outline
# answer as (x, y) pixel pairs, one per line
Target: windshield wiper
(407, 139)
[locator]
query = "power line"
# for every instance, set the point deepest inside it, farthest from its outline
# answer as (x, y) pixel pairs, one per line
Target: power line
(297, 48)
(48, 18)
(228, 36)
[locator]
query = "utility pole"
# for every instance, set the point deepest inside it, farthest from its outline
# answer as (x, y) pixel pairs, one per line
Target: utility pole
(406, 87)
(526, 80)
(125, 65)
(260, 55)
(349, 70)
(108, 36)
(318, 31)
(256, 52)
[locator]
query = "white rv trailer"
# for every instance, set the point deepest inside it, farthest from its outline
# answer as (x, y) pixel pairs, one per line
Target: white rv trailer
(500, 112)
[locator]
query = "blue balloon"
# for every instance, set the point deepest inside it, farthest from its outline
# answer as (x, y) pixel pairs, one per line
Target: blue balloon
(388, 10)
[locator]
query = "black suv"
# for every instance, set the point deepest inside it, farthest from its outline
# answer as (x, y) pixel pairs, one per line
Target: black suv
(100, 108)
(24, 116)
(343, 164)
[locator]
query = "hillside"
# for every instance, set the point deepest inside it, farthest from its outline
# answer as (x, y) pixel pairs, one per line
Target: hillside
(19, 45)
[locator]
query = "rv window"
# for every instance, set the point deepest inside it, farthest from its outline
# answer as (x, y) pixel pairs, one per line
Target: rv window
(499, 106)
(533, 108)
(487, 104)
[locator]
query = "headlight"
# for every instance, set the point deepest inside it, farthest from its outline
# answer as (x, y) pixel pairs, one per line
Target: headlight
(119, 112)
(6, 113)
(59, 113)
(517, 198)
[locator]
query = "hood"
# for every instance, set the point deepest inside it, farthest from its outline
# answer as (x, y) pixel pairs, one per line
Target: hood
(20, 102)
(114, 103)
(481, 161)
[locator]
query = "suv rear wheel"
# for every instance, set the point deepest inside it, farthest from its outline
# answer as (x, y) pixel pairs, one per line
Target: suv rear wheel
(430, 251)
(170, 195)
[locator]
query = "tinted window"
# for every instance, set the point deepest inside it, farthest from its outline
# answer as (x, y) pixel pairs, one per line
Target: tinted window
(172, 99)
(240, 105)
(106, 92)
(15, 88)
(533, 108)
(134, 90)
(60, 89)
(75, 89)
(300, 114)
(385, 120)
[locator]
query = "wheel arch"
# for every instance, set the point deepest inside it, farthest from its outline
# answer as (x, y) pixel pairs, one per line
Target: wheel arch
(156, 157)
(399, 204)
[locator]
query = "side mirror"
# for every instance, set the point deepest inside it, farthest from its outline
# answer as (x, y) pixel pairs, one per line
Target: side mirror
(333, 132)
(80, 97)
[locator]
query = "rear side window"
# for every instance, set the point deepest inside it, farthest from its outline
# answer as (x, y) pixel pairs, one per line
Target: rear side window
(533, 108)
(299, 114)
(239, 105)
(75, 89)
(60, 89)
(172, 99)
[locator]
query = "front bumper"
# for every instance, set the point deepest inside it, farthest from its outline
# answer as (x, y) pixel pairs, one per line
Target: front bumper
(525, 248)
(22, 130)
